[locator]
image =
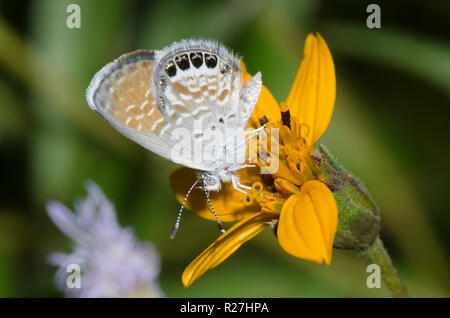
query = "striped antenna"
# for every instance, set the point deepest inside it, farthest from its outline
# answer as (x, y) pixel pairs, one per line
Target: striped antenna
(177, 223)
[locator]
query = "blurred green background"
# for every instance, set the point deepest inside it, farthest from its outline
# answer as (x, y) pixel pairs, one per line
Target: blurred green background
(390, 127)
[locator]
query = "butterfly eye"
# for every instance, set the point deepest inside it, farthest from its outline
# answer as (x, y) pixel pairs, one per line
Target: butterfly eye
(182, 61)
(210, 60)
(171, 69)
(211, 181)
(196, 59)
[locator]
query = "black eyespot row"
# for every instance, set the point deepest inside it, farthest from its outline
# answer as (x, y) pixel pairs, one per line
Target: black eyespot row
(182, 61)
(210, 60)
(196, 59)
(171, 69)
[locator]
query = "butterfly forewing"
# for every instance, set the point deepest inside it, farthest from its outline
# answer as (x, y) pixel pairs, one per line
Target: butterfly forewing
(121, 94)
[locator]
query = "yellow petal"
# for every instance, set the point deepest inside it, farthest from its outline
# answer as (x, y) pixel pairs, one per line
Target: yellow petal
(266, 106)
(312, 96)
(230, 205)
(308, 223)
(226, 245)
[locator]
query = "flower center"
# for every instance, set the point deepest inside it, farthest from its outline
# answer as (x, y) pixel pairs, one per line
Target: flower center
(295, 166)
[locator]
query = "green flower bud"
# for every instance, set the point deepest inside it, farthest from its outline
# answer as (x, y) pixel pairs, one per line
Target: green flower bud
(359, 215)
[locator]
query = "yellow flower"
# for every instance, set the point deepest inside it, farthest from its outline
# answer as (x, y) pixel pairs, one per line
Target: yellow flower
(295, 199)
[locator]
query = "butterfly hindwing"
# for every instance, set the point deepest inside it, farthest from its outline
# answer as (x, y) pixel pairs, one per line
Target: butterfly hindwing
(198, 80)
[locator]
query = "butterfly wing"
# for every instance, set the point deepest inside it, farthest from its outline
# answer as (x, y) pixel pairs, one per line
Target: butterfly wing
(196, 79)
(198, 83)
(121, 93)
(248, 97)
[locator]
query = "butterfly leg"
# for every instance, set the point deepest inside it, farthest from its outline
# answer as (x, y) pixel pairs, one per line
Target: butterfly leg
(256, 129)
(242, 167)
(237, 185)
(252, 133)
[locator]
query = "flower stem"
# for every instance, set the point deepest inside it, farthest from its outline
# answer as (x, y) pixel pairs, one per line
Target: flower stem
(377, 254)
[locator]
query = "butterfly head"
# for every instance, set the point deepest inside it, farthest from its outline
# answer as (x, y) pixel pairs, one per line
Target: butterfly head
(211, 180)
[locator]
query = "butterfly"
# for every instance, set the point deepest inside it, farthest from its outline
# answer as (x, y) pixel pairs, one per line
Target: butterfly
(193, 86)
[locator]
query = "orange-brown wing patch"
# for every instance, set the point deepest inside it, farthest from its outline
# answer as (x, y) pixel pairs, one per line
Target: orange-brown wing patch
(131, 100)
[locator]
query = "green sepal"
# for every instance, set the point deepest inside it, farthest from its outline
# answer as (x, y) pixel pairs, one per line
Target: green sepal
(359, 215)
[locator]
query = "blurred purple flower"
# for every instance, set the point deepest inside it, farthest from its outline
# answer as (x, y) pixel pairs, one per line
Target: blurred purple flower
(112, 261)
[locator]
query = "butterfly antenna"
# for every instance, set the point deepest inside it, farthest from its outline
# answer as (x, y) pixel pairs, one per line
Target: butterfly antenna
(177, 223)
(219, 224)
